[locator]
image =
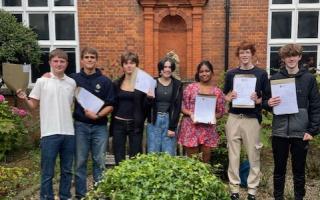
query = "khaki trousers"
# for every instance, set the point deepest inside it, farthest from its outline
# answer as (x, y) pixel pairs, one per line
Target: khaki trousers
(243, 130)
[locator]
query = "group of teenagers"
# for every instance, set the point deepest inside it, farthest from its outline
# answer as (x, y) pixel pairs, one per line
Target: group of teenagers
(74, 135)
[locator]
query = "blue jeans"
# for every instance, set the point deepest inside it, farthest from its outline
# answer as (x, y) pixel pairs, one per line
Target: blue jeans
(158, 140)
(89, 137)
(51, 146)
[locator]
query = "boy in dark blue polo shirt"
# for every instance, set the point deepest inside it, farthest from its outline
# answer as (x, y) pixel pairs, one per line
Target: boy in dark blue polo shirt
(90, 127)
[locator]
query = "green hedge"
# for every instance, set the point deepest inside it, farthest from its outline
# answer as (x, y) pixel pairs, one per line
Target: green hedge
(160, 176)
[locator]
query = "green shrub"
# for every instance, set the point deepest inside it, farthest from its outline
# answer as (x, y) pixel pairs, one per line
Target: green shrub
(219, 156)
(10, 178)
(12, 128)
(18, 43)
(160, 176)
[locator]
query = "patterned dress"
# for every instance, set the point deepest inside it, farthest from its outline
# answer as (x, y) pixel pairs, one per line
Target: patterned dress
(193, 135)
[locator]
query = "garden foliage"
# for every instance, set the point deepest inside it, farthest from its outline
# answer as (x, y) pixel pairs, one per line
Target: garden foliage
(18, 43)
(160, 176)
(10, 178)
(12, 128)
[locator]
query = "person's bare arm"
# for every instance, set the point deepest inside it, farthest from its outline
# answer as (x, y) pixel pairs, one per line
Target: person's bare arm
(31, 103)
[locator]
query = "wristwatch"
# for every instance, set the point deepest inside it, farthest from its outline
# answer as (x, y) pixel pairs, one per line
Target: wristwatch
(98, 116)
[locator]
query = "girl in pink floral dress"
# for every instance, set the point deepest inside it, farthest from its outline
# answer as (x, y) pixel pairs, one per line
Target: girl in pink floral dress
(199, 137)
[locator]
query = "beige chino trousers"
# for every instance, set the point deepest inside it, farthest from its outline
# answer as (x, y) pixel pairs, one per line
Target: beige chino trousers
(243, 130)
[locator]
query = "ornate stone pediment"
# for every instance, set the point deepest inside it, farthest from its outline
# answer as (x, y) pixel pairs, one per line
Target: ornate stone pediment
(170, 3)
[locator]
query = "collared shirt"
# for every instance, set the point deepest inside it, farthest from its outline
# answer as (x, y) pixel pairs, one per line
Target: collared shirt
(56, 98)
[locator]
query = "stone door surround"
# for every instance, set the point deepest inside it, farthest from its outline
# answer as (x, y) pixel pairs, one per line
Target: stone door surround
(190, 11)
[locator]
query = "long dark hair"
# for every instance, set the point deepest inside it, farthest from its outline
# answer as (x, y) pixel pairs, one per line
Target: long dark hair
(206, 63)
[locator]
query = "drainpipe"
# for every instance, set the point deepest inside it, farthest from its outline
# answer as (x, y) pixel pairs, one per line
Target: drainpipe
(226, 34)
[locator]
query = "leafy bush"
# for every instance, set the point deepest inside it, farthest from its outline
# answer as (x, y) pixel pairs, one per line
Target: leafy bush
(18, 44)
(10, 178)
(12, 128)
(219, 156)
(160, 176)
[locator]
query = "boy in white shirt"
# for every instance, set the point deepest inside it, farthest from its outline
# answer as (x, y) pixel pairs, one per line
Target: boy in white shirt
(55, 97)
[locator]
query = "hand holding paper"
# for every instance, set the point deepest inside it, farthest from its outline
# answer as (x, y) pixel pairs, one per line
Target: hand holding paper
(88, 100)
(244, 85)
(144, 82)
(285, 89)
(205, 109)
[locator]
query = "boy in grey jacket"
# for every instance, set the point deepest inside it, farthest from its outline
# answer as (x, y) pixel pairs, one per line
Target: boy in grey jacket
(292, 132)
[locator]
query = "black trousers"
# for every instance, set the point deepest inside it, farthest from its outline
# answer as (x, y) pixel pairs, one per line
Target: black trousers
(298, 149)
(122, 129)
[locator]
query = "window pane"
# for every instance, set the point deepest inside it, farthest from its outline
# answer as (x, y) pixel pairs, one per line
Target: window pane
(308, 24)
(309, 58)
(43, 67)
(275, 61)
(308, 1)
(18, 17)
(39, 23)
(63, 2)
(65, 27)
(281, 25)
(282, 1)
(11, 2)
(34, 3)
(71, 59)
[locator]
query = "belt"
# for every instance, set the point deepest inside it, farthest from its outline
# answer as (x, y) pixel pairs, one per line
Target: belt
(241, 115)
(162, 113)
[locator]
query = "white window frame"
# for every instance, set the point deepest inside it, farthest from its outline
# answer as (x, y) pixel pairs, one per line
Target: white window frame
(295, 7)
(51, 10)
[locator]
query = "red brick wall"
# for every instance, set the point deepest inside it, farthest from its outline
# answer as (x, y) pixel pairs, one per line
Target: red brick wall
(113, 26)
(248, 21)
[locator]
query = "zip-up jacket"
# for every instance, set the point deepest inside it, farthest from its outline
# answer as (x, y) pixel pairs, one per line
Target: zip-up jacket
(307, 120)
(174, 108)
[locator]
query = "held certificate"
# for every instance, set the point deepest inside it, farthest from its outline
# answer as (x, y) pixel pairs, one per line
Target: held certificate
(16, 76)
(144, 82)
(88, 100)
(205, 109)
(244, 85)
(286, 90)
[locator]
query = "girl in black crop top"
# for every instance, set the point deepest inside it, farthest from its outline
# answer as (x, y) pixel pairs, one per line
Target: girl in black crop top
(129, 111)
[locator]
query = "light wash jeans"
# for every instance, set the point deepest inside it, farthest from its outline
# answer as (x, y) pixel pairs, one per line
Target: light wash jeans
(158, 140)
(51, 146)
(89, 137)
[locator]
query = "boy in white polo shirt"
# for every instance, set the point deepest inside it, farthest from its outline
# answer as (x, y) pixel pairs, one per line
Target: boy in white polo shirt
(55, 97)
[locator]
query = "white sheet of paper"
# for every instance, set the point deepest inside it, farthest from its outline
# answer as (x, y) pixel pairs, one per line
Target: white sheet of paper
(145, 82)
(88, 100)
(244, 86)
(286, 90)
(205, 109)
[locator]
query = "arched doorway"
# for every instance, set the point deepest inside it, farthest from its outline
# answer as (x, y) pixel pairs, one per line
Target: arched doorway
(173, 37)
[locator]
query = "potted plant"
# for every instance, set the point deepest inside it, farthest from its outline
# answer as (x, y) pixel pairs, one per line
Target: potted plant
(18, 43)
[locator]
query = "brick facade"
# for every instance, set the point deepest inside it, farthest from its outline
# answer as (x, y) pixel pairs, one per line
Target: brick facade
(197, 30)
